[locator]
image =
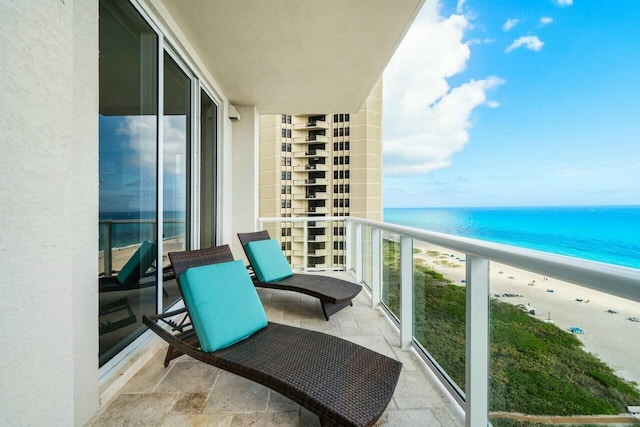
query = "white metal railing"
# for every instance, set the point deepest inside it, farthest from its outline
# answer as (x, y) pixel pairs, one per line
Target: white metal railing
(615, 280)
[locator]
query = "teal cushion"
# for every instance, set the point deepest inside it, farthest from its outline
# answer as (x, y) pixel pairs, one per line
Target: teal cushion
(268, 260)
(223, 304)
(138, 264)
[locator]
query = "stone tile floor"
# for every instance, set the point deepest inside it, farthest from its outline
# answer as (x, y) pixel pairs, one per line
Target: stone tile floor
(191, 393)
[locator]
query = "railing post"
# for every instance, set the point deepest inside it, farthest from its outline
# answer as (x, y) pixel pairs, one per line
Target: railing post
(358, 260)
(106, 253)
(347, 247)
(305, 247)
(477, 342)
(406, 291)
(376, 267)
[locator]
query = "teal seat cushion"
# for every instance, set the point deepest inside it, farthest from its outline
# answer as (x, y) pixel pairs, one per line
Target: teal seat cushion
(223, 304)
(138, 264)
(268, 260)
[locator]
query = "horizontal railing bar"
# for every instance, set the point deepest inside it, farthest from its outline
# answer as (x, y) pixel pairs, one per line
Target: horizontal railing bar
(608, 278)
(303, 218)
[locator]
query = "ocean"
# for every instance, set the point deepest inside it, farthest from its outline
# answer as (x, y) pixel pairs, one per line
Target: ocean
(609, 234)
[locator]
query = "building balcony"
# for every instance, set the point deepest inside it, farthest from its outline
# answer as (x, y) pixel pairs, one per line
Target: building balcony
(311, 181)
(311, 168)
(311, 224)
(310, 154)
(318, 209)
(311, 140)
(430, 300)
(311, 125)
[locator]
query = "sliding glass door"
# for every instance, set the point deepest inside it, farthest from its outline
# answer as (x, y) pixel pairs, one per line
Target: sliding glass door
(152, 200)
(176, 141)
(128, 124)
(208, 169)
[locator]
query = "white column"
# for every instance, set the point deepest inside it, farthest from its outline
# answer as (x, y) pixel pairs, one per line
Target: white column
(358, 260)
(347, 246)
(244, 173)
(477, 342)
(376, 267)
(406, 291)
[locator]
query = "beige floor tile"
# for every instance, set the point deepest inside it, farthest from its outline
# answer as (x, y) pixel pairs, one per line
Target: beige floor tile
(363, 331)
(299, 311)
(188, 375)
(414, 391)
(410, 418)
(189, 403)
(193, 420)
(136, 410)
(232, 393)
(268, 419)
(149, 376)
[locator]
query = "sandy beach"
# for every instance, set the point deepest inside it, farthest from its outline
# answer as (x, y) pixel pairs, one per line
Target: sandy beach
(610, 336)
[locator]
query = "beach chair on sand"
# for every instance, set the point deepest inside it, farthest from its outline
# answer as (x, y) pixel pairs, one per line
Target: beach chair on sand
(339, 381)
(271, 270)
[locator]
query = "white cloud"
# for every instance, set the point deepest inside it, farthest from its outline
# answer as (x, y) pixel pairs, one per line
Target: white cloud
(509, 24)
(563, 3)
(460, 5)
(546, 20)
(528, 42)
(141, 142)
(427, 121)
(486, 40)
(492, 104)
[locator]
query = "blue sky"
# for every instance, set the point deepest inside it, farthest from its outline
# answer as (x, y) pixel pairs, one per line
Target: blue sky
(515, 103)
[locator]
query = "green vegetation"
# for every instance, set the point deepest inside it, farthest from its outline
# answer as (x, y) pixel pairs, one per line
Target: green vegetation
(536, 368)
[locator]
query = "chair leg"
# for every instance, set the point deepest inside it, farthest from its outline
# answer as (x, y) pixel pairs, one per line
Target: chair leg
(328, 308)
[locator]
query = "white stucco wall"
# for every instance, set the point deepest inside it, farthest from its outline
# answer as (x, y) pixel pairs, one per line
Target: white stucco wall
(49, 193)
(246, 136)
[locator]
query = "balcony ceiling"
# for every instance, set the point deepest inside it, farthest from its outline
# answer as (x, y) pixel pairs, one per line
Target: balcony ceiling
(295, 56)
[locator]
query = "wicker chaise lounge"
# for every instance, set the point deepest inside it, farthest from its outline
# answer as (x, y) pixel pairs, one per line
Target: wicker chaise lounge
(334, 294)
(339, 381)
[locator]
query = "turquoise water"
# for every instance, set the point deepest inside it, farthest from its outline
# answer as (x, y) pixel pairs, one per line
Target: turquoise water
(609, 234)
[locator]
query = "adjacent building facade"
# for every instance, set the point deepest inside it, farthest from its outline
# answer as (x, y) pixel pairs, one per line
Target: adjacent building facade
(316, 165)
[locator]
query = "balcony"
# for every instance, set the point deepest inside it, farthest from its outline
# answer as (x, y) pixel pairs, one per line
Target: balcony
(427, 334)
(311, 168)
(318, 209)
(314, 196)
(311, 125)
(310, 154)
(311, 181)
(311, 140)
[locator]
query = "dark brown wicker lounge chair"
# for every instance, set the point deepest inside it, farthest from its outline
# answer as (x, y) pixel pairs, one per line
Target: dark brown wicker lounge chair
(334, 294)
(343, 383)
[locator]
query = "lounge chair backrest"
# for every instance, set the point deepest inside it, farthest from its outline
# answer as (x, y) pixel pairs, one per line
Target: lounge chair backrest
(187, 259)
(252, 237)
(138, 264)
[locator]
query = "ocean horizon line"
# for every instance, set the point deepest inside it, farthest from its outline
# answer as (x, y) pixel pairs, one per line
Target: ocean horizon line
(517, 206)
